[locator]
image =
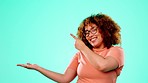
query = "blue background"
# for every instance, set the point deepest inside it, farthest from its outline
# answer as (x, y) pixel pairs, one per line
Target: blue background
(37, 31)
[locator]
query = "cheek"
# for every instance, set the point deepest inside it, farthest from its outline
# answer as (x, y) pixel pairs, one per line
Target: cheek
(87, 38)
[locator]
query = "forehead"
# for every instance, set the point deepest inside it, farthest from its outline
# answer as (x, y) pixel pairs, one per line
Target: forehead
(90, 26)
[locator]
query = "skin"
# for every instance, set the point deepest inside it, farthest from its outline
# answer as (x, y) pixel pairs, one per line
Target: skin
(94, 39)
(102, 64)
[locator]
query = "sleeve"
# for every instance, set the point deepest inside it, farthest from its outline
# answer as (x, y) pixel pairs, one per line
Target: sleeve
(118, 54)
(74, 62)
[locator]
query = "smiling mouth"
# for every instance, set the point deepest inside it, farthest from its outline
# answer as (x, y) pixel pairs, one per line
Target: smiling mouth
(93, 39)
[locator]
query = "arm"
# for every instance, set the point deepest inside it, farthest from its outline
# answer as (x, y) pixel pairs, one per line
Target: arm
(104, 64)
(68, 76)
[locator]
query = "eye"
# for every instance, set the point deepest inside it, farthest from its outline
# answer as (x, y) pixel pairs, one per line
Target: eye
(86, 32)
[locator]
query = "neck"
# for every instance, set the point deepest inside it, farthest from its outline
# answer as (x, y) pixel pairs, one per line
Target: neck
(99, 47)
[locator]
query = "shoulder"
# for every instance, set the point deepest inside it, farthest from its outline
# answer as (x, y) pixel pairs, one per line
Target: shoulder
(116, 51)
(116, 48)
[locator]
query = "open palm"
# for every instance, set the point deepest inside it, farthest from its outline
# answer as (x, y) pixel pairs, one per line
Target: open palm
(28, 66)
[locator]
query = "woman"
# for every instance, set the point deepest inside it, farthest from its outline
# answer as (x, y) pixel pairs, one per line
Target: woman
(98, 59)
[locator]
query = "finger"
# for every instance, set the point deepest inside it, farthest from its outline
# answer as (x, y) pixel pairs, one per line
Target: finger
(73, 36)
(19, 64)
(22, 65)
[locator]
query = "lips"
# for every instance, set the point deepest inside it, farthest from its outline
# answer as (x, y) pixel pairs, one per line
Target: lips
(93, 39)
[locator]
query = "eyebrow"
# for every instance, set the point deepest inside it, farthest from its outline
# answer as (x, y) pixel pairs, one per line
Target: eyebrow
(91, 28)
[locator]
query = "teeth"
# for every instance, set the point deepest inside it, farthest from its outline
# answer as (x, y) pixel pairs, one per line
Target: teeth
(93, 39)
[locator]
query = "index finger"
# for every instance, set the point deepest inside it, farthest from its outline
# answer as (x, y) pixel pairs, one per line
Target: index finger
(73, 36)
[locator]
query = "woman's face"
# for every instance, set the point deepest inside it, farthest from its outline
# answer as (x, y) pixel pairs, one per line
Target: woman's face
(93, 36)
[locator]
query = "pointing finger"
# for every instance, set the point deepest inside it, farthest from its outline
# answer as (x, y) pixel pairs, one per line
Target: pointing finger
(73, 36)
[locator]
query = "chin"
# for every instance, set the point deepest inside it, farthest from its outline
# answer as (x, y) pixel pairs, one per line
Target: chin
(94, 45)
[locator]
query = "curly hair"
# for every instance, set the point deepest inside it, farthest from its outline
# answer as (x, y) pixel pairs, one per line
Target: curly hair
(110, 31)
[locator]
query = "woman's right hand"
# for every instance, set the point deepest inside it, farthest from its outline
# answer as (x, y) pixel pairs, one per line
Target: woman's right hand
(29, 66)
